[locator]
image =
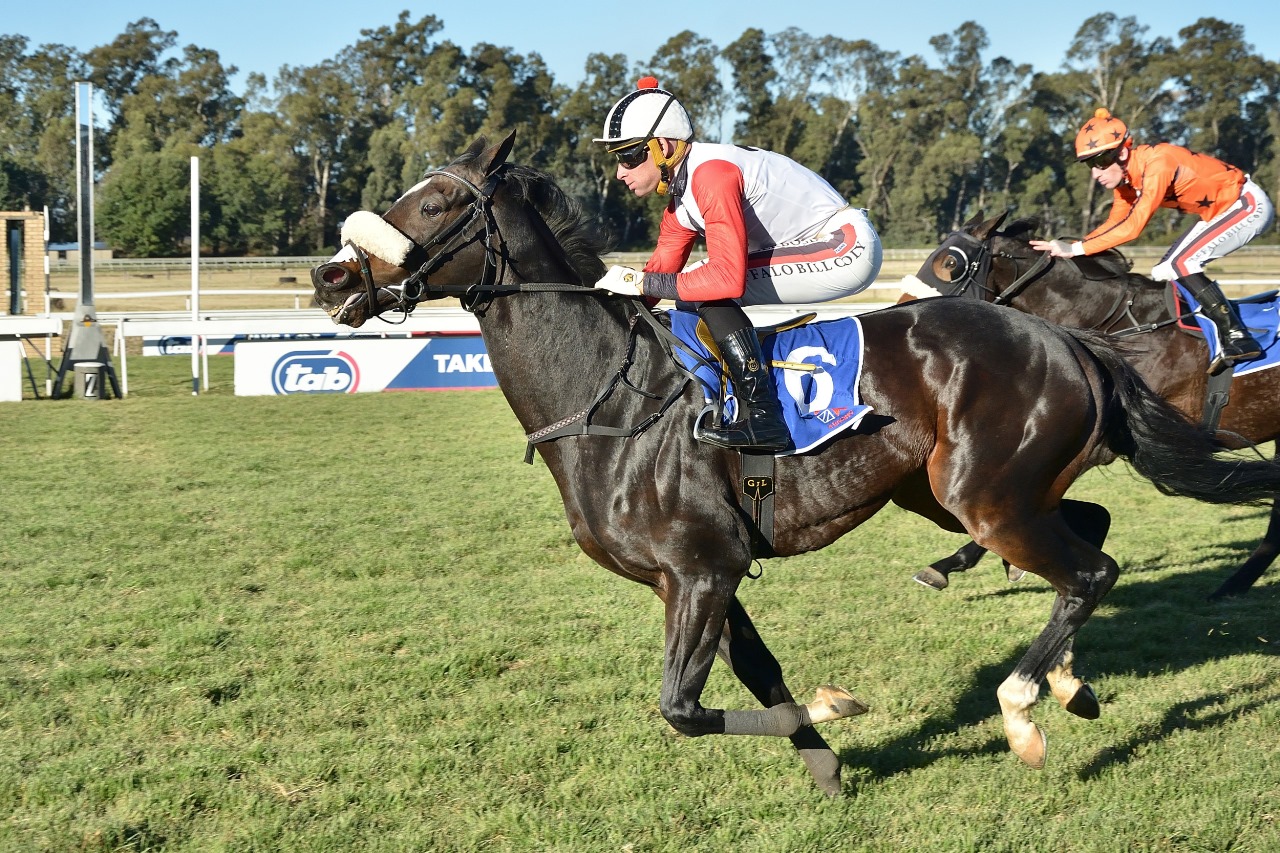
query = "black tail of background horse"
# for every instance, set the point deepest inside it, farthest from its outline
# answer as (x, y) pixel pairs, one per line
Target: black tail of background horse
(1177, 456)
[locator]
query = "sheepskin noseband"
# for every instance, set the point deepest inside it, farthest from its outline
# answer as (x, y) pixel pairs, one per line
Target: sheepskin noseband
(376, 236)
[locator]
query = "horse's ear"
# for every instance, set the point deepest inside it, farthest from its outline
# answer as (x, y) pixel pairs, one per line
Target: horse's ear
(491, 158)
(985, 229)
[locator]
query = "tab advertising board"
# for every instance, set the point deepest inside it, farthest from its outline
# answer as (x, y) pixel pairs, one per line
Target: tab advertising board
(354, 365)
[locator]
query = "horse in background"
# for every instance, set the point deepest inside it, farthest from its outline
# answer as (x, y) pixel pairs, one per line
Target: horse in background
(984, 261)
(978, 436)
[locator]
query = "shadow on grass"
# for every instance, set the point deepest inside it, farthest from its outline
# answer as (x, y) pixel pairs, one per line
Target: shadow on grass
(1145, 629)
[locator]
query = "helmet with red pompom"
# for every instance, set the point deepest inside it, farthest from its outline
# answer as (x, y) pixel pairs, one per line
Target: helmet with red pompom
(647, 113)
(1101, 133)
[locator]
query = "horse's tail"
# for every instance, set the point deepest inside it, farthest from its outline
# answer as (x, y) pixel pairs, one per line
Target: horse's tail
(1178, 456)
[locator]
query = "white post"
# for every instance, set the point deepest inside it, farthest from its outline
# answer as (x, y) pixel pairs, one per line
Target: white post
(195, 274)
(48, 309)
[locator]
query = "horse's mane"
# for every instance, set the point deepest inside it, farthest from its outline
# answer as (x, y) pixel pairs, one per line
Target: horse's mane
(1109, 264)
(581, 237)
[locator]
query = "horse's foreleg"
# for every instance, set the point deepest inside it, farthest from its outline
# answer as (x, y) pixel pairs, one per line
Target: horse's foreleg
(696, 612)
(742, 648)
(1262, 557)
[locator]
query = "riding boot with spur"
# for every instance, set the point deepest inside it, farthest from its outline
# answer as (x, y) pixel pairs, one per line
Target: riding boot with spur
(1237, 343)
(759, 424)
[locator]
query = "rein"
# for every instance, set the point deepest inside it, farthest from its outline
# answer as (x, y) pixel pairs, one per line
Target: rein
(417, 288)
(978, 271)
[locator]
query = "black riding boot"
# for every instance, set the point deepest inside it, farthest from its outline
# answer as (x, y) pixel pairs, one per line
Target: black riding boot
(1237, 343)
(759, 424)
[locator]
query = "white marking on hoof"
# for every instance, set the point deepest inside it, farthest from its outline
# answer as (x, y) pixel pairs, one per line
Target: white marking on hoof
(834, 703)
(1017, 696)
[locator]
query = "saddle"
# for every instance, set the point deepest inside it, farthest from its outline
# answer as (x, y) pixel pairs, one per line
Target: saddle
(762, 334)
(1179, 309)
(1218, 392)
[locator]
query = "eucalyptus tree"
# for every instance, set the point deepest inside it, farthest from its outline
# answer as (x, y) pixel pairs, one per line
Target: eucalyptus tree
(688, 66)
(1110, 63)
(117, 71)
(321, 115)
(753, 73)
(1223, 89)
(387, 65)
(37, 132)
(849, 71)
(257, 189)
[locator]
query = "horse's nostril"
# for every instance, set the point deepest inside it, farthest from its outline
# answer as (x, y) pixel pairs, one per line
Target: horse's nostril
(333, 275)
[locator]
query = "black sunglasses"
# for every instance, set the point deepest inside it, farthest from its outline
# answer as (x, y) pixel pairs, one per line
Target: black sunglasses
(633, 156)
(1103, 159)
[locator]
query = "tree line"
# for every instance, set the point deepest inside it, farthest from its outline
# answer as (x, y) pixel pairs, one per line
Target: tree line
(923, 143)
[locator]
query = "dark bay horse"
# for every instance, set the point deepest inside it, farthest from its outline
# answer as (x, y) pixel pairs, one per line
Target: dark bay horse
(981, 434)
(983, 261)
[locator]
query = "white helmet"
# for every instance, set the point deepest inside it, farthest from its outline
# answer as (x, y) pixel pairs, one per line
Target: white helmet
(644, 114)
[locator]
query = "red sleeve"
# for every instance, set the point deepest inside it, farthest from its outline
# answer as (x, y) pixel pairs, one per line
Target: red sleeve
(674, 243)
(717, 186)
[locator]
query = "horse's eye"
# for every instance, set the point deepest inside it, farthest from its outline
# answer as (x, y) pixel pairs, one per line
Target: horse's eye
(949, 267)
(432, 210)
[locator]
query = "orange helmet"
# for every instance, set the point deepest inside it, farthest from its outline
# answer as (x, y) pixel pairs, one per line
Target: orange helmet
(1101, 133)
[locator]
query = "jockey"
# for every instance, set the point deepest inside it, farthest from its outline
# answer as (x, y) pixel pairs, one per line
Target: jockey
(1232, 210)
(775, 233)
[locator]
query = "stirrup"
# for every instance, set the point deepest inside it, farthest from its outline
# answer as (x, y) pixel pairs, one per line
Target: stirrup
(705, 434)
(1225, 359)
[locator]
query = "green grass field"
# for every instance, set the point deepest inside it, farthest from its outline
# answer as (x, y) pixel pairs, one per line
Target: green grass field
(360, 623)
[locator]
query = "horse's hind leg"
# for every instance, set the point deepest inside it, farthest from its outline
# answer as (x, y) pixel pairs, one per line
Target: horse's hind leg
(1082, 574)
(1074, 695)
(755, 666)
(937, 575)
(1091, 522)
(1262, 557)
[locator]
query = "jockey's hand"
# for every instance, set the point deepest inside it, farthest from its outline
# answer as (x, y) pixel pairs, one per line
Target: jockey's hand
(1057, 248)
(624, 281)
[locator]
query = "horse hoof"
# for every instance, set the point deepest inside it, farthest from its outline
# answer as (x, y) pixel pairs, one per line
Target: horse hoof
(1013, 573)
(834, 703)
(931, 578)
(1084, 704)
(1033, 751)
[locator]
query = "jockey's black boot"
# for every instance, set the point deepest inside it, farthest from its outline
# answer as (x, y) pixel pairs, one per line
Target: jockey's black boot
(1237, 343)
(759, 425)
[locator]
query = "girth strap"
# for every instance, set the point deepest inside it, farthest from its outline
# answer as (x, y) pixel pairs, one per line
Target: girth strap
(1217, 398)
(757, 500)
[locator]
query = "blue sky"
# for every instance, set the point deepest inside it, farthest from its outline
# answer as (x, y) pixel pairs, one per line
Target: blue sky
(263, 35)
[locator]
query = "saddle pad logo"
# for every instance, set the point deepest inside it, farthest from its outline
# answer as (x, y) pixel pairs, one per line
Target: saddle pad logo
(315, 372)
(812, 391)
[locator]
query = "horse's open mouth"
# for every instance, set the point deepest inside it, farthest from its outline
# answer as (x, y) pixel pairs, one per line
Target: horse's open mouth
(357, 308)
(345, 314)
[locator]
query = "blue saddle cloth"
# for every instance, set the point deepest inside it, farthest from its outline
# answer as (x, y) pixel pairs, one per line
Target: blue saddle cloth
(817, 404)
(1261, 316)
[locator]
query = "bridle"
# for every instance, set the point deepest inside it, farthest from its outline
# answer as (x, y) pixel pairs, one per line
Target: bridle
(405, 296)
(477, 223)
(977, 271)
(402, 298)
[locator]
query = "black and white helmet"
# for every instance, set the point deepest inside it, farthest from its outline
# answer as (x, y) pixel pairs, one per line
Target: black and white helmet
(644, 114)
